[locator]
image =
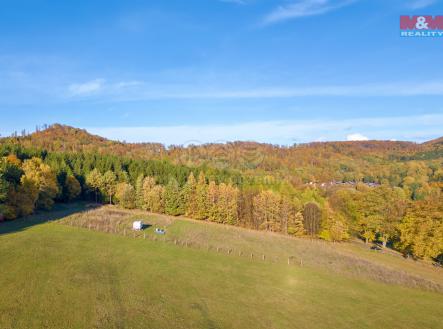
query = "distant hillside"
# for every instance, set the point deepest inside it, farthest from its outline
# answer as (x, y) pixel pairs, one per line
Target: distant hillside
(326, 161)
(62, 138)
(437, 142)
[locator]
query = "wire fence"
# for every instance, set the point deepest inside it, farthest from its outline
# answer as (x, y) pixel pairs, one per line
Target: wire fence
(121, 228)
(326, 256)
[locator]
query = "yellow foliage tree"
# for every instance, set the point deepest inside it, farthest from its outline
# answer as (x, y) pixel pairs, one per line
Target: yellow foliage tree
(125, 195)
(73, 188)
(44, 178)
(334, 226)
(421, 231)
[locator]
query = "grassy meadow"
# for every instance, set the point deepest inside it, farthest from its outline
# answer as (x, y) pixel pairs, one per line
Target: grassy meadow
(55, 274)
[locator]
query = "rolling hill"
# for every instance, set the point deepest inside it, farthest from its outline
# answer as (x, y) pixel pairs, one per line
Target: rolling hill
(325, 161)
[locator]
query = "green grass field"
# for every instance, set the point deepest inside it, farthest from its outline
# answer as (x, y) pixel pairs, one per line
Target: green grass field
(57, 276)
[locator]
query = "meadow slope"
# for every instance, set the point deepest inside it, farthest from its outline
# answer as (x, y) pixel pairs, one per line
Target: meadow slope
(59, 276)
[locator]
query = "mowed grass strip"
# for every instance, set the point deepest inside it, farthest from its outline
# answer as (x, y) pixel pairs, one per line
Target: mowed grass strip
(56, 276)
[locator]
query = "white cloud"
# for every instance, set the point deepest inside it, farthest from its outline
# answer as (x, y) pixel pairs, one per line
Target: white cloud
(126, 84)
(416, 128)
(100, 87)
(356, 137)
(100, 90)
(137, 91)
(418, 4)
(302, 8)
(86, 88)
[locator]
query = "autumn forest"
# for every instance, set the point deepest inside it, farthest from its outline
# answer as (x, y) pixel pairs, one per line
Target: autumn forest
(389, 193)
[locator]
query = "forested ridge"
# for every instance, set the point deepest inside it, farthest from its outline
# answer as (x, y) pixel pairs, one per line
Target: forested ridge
(383, 191)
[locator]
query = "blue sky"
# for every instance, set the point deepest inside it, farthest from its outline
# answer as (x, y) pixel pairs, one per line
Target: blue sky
(176, 72)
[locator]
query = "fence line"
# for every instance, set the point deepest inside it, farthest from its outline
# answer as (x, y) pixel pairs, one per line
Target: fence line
(118, 229)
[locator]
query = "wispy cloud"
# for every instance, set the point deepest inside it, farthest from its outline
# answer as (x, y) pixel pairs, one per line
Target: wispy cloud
(416, 128)
(419, 4)
(99, 87)
(302, 8)
(86, 88)
(139, 90)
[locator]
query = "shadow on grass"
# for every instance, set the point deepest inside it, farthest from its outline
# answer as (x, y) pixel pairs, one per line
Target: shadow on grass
(58, 212)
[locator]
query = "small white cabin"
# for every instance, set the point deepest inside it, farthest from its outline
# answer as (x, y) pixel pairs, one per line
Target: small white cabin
(137, 225)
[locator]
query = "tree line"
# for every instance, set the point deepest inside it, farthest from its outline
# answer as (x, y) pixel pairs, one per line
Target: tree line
(403, 164)
(33, 179)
